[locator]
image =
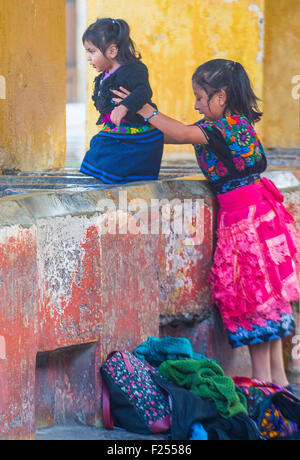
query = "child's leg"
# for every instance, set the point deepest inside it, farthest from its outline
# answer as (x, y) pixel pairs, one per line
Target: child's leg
(277, 363)
(260, 357)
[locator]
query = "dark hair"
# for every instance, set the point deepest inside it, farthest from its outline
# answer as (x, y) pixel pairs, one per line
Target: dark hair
(231, 76)
(106, 31)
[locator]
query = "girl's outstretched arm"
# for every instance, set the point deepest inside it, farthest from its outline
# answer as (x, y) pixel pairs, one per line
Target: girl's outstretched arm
(174, 130)
(170, 140)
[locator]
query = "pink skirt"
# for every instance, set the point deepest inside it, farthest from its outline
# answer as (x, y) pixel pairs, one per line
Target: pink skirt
(254, 276)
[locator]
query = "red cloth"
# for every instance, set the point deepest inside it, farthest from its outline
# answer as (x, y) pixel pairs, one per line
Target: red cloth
(265, 387)
(257, 259)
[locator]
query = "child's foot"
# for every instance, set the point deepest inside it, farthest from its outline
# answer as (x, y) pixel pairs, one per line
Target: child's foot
(280, 380)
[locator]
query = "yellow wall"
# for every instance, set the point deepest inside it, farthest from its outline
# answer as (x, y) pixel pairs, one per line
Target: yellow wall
(175, 36)
(282, 63)
(32, 61)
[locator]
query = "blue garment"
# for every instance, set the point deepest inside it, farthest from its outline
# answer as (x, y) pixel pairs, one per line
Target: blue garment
(116, 157)
(198, 432)
(260, 334)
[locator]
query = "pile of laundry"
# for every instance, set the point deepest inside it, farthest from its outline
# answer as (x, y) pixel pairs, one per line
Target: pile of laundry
(165, 387)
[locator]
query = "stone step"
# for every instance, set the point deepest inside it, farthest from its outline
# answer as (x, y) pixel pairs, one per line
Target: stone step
(71, 293)
(74, 180)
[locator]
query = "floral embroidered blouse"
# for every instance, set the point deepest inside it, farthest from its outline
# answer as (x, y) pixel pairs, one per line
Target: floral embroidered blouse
(233, 157)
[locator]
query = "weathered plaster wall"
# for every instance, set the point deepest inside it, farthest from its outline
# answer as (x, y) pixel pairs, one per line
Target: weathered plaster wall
(70, 293)
(64, 281)
(32, 64)
(174, 38)
(282, 57)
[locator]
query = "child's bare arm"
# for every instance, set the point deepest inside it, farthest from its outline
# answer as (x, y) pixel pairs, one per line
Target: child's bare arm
(175, 131)
(170, 140)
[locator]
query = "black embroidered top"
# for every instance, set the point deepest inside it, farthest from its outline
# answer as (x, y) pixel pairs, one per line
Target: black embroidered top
(233, 157)
(132, 76)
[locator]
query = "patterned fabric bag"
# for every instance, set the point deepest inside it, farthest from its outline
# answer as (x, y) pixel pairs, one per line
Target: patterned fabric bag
(130, 397)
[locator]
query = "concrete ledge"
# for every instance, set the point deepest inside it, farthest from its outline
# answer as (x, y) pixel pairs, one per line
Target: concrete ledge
(71, 293)
(64, 283)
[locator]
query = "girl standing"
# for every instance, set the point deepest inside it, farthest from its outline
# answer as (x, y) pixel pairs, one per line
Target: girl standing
(254, 274)
(127, 148)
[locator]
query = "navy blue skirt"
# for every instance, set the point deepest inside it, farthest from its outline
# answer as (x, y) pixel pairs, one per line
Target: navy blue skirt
(124, 154)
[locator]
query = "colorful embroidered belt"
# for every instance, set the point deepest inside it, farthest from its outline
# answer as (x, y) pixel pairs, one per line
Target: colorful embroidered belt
(132, 130)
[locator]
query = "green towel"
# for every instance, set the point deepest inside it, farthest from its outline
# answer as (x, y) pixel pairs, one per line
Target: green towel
(206, 379)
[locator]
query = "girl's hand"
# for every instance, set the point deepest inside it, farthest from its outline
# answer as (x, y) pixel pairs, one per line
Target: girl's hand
(118, 114)
(122, 93)
(176, 132)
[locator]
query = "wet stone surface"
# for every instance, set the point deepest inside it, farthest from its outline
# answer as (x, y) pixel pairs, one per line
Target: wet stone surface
(71, 180)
